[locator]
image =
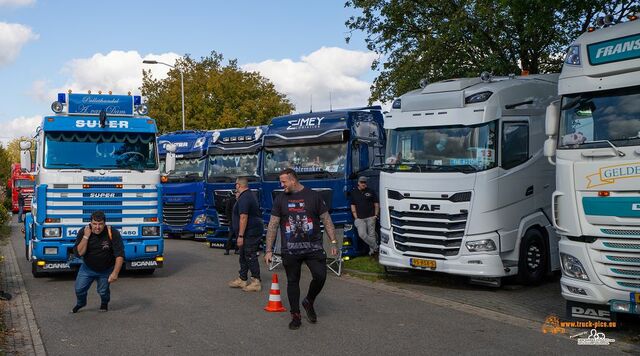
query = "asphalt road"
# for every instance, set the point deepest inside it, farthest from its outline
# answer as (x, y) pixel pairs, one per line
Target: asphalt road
(186, 308)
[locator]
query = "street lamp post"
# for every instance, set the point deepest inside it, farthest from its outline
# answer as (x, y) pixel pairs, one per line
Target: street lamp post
(181, 83)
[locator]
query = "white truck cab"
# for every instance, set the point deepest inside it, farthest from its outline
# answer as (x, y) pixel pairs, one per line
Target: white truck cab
(466, 189)
(594, 137)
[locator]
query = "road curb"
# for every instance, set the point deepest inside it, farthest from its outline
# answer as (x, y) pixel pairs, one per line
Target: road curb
(26, 335)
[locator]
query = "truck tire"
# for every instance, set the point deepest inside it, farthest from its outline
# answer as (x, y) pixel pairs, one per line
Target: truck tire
(532, 265)
(35, 272)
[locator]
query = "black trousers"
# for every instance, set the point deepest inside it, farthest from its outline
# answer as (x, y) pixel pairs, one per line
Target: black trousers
(230, 244)
(249, 259)
(317, 263)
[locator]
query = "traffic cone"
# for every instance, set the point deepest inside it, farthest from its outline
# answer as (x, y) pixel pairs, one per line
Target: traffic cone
(275, 303)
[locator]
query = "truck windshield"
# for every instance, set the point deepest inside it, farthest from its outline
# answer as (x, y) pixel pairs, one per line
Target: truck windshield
(226, 168)
(317, 160)
(100, 150)
(589, 120)
(24, 183)
(187, 170)
(464, 149)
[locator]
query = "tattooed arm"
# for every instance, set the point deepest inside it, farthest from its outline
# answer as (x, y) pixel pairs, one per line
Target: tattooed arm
(272, 230)
(328, 226)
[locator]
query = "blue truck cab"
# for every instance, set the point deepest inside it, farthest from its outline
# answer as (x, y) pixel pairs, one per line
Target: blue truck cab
(184, 202)
(97, 152)
(233, 153)
(328, 150)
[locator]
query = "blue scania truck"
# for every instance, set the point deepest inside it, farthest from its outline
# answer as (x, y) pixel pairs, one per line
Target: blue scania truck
(97, 152)
(184, 202)
(233, 153)
(328, 150)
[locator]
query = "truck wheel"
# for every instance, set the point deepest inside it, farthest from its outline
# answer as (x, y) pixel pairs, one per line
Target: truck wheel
(35, 272)
(532, 265)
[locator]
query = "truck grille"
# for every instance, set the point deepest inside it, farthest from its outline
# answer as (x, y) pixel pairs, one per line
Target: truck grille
(435, 235)
(220, 198)
(617, 262)
(177, 214)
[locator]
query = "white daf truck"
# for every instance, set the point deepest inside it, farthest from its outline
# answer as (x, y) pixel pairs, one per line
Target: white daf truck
(594, 135)
(466, 188)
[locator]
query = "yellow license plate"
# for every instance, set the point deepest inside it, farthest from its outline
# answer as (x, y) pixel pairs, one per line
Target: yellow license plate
(635, 297)
(419, 262)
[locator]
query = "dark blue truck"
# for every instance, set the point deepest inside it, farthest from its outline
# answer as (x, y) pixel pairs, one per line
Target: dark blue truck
(328, 150)
(184, 203)
(233, 153)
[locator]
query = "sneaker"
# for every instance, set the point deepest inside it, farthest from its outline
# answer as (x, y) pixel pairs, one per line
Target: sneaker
(296, 321)
(104, 307)
(254, 286)
(76, 308)
(311, 313)
(238, 283)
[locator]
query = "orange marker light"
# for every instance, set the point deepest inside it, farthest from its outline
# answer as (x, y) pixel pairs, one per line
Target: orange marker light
(604, 193)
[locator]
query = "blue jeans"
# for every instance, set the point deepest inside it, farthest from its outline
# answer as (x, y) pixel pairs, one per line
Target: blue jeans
(85, 278)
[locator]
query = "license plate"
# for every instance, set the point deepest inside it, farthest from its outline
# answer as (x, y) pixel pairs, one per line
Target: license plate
(635, 297)
(419, 262)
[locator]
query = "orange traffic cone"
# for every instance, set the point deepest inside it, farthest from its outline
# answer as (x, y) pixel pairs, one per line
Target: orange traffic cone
(275, 303)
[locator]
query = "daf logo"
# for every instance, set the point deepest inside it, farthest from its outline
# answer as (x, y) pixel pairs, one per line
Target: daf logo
(102, 195)
(144, 264)
(56, 266)
(424, 207)
(580, 312)
(635, 206)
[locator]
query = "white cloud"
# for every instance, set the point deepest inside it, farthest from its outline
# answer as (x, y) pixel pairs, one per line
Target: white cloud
(12, 38)
(17, 3)
(328, 70)
(118, 71)
(18, 127)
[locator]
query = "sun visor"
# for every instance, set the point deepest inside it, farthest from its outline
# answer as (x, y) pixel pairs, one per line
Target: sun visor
(433, 101)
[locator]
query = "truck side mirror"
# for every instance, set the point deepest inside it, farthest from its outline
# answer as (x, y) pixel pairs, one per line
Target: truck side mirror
(550, 149)
(552, 119)
(170, 160)
(25, 156)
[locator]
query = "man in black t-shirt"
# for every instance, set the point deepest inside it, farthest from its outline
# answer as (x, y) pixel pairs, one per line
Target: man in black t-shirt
(365, 208)
(247, 226)
(298, 213)
(102, 255)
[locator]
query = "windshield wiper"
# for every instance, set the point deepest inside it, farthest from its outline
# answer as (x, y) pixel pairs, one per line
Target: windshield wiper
(323, 174)
(132, 168)
(463, 168)
(620, 153)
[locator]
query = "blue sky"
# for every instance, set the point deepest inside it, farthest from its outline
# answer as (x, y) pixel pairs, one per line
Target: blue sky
(52, 45)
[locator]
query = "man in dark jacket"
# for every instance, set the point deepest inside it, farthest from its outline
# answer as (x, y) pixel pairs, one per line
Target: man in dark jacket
(228, 212)
(102, 254)
(20, 205)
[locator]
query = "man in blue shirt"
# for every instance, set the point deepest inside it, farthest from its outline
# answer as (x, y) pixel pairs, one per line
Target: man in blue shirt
(248, 228)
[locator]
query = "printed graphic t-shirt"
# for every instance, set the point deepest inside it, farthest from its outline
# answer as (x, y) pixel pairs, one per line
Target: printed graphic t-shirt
(299, 215)
(101, 251)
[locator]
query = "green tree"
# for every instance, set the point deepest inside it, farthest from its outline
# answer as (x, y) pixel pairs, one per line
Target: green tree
(440, 39)
(216, 96)
(13, 149)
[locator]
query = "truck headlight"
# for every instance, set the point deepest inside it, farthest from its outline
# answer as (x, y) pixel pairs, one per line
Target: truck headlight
(151, 248)
(572, 267)
(50, 232)
(200, 219)
(481, 245)
(150, 230)
(384, 237)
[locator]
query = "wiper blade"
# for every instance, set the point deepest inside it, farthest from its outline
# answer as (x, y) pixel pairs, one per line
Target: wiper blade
(616, 149)
(464, 168)
(323, 174)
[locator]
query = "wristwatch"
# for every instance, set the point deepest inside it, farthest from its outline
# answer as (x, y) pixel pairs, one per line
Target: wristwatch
(240, 236)
(335, 242)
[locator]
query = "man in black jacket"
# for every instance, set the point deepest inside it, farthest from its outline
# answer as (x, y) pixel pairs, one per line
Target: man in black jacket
(228, 212)
(102, 255)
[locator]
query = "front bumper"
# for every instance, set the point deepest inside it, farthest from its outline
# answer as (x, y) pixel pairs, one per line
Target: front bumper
(477, 265)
